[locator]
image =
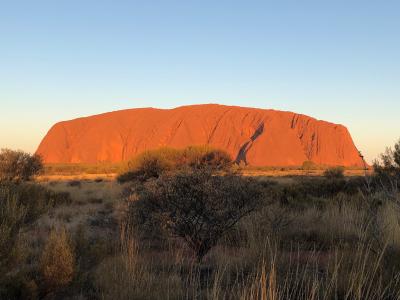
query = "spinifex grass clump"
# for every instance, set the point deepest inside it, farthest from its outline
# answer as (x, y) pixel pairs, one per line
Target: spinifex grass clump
(57, 261)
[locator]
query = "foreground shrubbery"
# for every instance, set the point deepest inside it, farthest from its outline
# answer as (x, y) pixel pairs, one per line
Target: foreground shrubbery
(154, 163)
(336, 245)
(21, 204)
(193, 233)
(19, 165)
(195, 206)
(321, 238)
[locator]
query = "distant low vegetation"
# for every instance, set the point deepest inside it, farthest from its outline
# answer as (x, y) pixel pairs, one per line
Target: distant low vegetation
(309, 165)
(154, 163)
(387, 167)
(171, 159)
(334, 172)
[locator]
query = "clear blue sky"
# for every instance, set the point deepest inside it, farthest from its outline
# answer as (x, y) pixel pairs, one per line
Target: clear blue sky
(334, 60)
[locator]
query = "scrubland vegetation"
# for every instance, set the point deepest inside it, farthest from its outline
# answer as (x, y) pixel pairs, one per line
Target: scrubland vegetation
(153, 163)
(185, 225)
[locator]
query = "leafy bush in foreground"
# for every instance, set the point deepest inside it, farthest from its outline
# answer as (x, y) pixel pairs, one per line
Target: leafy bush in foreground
(19, 165)
(197, 206)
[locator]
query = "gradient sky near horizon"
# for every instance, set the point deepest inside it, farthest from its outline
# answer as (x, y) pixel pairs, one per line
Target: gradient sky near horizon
(333, 60)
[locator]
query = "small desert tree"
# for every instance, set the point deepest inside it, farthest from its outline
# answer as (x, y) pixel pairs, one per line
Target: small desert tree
(19, 165)
(197, 206)
(389, 162)
(387, 170)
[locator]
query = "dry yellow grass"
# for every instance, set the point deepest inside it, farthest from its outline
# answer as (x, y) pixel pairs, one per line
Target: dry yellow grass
(82, 176)
(95, 205)
(294, 172)
(276, 253)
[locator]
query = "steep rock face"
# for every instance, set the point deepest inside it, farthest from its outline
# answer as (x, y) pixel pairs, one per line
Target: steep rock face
(257, 137)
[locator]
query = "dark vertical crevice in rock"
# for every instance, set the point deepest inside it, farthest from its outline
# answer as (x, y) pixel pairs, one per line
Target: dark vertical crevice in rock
(242, 155)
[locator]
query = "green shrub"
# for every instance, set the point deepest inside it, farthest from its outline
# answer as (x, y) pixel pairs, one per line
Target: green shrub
(154, 163)
(206, 157)
(196, 206)
(19, 165)
(151, 164)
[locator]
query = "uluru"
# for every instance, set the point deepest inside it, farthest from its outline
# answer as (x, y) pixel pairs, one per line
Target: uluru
(257, 137)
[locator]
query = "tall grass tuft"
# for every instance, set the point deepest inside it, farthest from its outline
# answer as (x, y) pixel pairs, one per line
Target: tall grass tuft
(57, 261)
